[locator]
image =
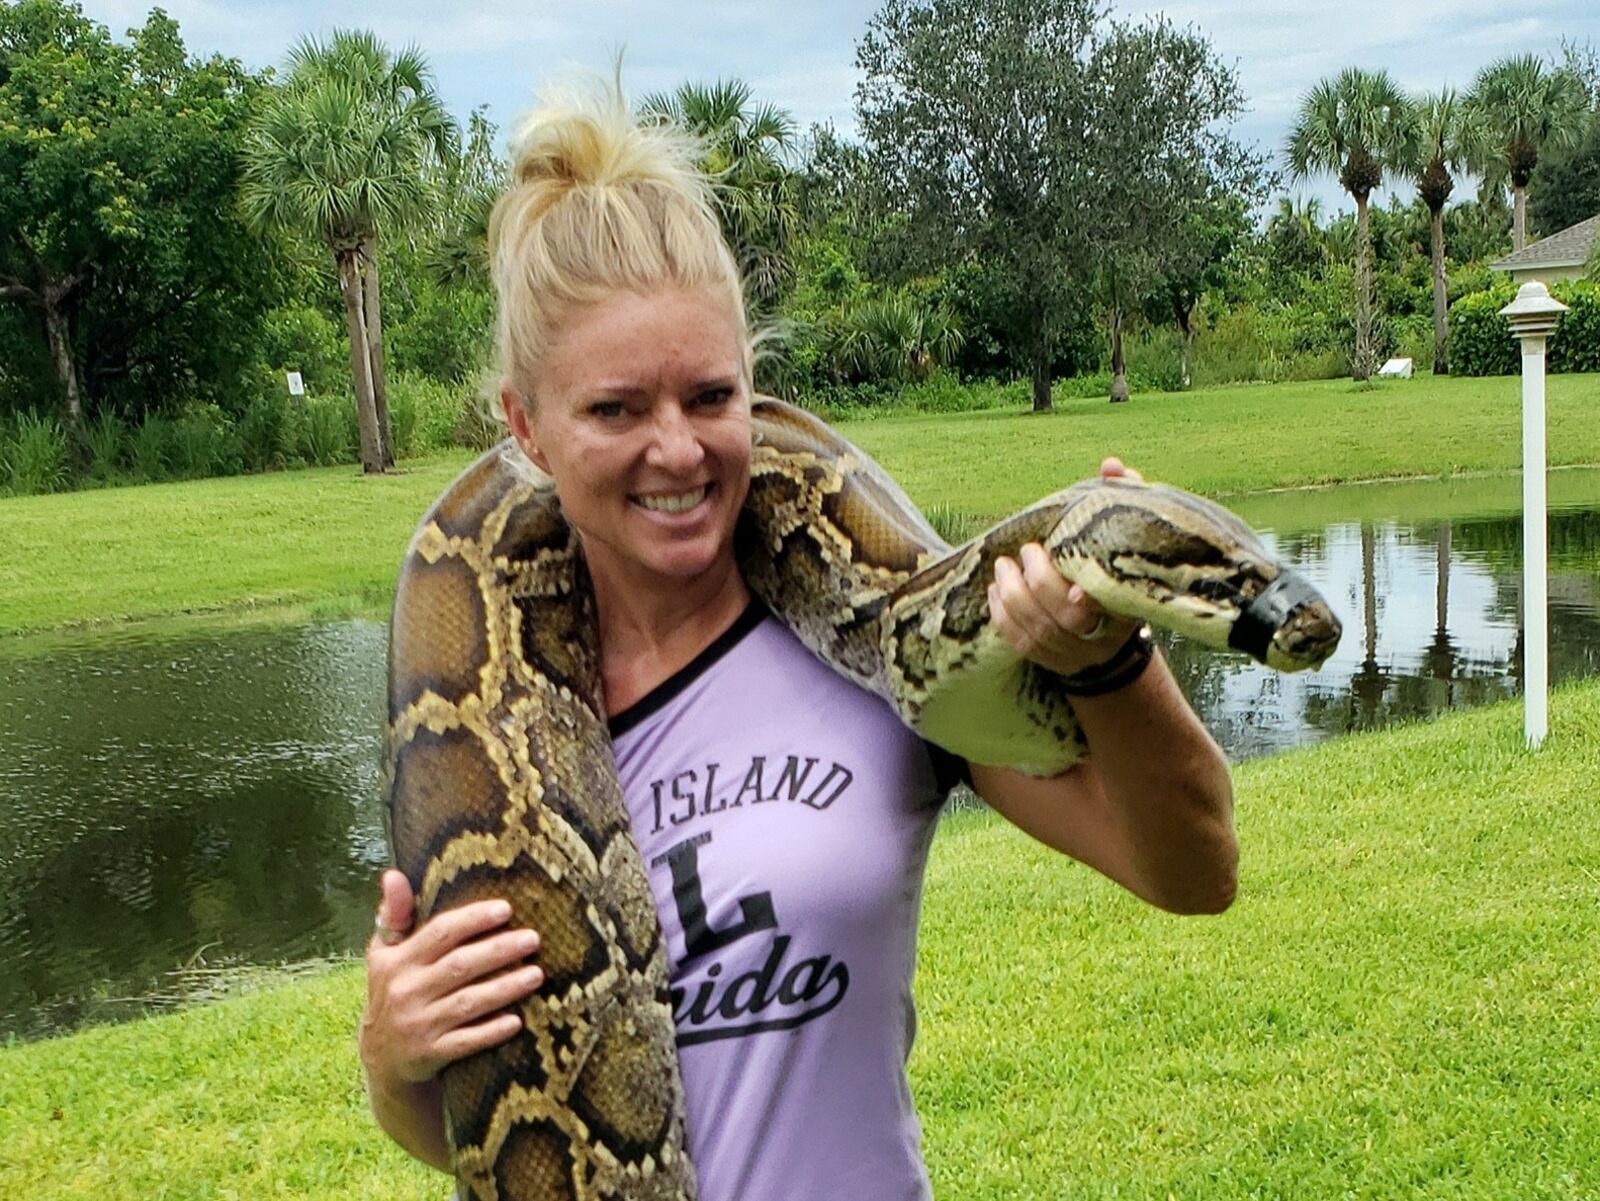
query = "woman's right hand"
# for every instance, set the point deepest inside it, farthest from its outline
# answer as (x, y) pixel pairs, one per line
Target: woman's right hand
(440, 992)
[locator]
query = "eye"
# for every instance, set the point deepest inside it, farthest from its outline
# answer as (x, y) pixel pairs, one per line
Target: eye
(606, 409)
(713, 397)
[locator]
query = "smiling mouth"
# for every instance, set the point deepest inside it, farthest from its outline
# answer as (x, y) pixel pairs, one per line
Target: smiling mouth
(672, 502)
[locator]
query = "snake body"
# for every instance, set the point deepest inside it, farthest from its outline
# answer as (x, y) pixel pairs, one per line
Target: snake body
(500, 777)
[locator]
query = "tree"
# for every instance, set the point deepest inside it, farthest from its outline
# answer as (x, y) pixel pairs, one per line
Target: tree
(1521, 108)
(1041, 141)
(1355, 125)
(118, 239)
(1565, 187)
(1157, 98)
(340, 150)
(745, 152)
(1438, 148)
(1197, 262)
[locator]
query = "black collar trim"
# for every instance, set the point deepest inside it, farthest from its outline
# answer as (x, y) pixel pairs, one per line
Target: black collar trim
(754, 613)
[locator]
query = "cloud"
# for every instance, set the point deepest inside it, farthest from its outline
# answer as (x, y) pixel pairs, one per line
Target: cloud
(800, 54)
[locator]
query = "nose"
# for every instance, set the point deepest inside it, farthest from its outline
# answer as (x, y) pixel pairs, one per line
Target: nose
(674, 445)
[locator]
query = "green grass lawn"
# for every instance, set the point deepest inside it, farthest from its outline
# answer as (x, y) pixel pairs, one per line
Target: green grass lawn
(331, 541)
(1400, 1004)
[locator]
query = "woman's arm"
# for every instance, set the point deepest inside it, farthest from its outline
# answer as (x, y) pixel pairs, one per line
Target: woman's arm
(1152, 806)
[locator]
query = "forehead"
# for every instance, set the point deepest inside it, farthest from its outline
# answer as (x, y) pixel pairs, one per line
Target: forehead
(636, 338)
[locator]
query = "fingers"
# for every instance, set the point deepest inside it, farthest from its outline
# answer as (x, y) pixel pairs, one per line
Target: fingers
(1033, 604)
(1112, 467)
(482, 957)
(396, 907)
(469, 1040)
(443, 932)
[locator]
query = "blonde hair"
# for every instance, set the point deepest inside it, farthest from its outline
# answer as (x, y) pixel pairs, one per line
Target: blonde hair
(598, 203)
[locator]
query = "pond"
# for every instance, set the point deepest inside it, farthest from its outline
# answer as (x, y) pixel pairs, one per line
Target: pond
(187, 799)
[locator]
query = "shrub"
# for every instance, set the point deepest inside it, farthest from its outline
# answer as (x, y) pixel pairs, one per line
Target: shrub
(304, 339)
(204, 444)
(1576, 344)
(150, 449)
(33, 455)
(1481, 343)
(326, 432)
(266, 433)
(479, 425)
(423, 413)
(104, 440)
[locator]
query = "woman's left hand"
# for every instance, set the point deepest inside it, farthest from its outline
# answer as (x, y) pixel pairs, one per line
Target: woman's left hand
(1045, 618)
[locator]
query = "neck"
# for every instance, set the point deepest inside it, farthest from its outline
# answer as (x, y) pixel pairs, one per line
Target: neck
(650, 629)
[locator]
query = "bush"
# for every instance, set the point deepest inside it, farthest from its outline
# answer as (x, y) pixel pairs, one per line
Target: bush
(1481, 341)
(1576, 344)
(204, 444)
(150, 449)
(104, 440)
(304, 339)
(266, 433)
(326, 431)
(33, 455)
(423, 413)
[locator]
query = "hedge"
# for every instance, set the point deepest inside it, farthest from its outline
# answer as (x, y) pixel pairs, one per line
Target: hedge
(1481, 342)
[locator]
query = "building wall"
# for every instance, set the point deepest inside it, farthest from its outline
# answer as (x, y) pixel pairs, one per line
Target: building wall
(1545, 275)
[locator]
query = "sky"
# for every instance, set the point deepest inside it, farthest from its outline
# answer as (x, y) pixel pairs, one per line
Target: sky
(800, 54)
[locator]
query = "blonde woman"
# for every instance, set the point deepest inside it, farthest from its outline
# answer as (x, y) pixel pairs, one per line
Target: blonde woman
(784, 814)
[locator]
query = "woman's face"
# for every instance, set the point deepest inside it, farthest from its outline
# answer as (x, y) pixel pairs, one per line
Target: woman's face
(641, 414)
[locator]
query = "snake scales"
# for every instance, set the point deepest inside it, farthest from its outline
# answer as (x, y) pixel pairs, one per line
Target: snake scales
(499, 770)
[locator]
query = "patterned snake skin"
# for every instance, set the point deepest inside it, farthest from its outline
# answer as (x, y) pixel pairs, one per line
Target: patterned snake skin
(499, 770)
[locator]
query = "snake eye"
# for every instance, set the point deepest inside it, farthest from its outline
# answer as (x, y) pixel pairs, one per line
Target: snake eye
(1219, 591)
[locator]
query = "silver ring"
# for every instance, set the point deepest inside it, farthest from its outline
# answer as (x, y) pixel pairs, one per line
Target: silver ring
(1098, 631)
(387, 935)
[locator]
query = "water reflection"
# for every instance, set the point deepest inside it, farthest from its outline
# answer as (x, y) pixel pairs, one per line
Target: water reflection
(1431, 621)
(211, 798)
(170, 794)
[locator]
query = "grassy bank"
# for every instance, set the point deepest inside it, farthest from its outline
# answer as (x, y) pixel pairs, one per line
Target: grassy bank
(1400, 1004)
(328, 540)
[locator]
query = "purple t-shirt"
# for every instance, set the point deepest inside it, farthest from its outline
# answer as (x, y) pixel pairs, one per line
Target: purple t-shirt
(784, 815)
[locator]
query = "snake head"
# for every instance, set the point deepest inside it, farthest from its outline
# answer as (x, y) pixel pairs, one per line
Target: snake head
(1183, 563)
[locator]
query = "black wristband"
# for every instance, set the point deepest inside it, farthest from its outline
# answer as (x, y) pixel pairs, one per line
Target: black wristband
(1122, 669)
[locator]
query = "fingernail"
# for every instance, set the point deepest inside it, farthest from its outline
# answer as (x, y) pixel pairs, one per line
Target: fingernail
(529, 940)
(501, 910)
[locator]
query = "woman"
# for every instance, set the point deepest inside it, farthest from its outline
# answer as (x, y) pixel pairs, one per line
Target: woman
(783, 814)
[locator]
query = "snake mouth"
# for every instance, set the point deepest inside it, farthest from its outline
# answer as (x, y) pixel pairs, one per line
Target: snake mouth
(1287, 626)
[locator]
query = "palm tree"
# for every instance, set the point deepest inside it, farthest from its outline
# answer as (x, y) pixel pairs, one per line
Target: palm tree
(745, 151)
(1437, 149)
(1355, 125)
(340, 150)
(1520, 109)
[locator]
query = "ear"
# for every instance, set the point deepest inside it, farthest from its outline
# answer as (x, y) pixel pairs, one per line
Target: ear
(522, 427)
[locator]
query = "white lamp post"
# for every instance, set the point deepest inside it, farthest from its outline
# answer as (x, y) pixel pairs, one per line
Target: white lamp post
(1533, 315)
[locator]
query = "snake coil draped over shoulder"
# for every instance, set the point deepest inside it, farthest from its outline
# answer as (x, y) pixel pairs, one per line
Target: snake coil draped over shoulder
(500, 779)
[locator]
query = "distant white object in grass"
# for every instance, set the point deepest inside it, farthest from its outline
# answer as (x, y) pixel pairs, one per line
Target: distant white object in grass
(1533, 316)
(297, 386)
(1396, 369)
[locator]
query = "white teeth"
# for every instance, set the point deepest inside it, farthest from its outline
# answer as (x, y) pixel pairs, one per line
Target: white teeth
(679, 503)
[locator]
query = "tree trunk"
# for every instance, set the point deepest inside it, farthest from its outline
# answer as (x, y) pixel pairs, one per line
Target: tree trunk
(1184, 314)
(373, 312)
(1361, 367)
(60, 336)
(1441, 297)
(360, 360)
(1519, 218)
(1119, 368)
(1041, 378)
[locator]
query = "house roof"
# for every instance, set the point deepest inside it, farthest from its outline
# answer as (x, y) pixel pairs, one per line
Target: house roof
(1569, 248)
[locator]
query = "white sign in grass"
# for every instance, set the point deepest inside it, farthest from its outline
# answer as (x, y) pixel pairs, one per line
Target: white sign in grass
(297, 386)
(1533, 316)
(1396, 369)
